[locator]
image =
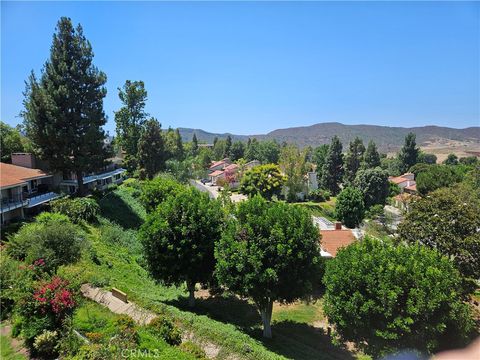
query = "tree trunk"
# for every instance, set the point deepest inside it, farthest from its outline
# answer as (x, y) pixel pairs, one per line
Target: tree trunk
(191, 293)
(81, 187)
(266, 319)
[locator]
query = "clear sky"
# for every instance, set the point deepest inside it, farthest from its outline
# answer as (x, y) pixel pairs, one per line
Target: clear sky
(252, 67)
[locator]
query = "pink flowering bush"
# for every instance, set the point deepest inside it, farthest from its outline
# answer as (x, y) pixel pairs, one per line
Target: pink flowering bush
(54, 297)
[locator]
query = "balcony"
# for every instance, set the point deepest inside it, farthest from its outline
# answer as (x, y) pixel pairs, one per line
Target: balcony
(95, 177)
(13, 202)
(41, 199)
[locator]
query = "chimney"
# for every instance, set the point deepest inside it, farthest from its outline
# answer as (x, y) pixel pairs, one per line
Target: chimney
(338, 225)
(23, 159)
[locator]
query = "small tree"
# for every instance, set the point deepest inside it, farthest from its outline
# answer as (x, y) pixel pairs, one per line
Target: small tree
(228, 147)
(373, 183)
(156, 191)
(293, 164)
(386, 298)
(194, 147)
(332, 171)
(238, 150)
(10, 141)
(151, 150)
(349, 207)
(451, 159)
(269, 252)
(264, 180)
(179, 237)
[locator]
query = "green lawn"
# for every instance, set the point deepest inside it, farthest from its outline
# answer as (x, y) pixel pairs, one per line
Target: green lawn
(7, 352)
(324, 209)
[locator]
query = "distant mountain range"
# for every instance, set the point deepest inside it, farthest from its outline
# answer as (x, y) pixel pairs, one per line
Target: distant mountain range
(387, 138)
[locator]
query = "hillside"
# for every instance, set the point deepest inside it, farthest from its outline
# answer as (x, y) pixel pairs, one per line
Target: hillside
(387, 138)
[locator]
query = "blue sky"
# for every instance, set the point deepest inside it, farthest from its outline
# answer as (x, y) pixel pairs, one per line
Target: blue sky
(253, 67)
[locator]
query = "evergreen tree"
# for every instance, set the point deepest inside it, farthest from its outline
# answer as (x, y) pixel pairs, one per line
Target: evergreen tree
(64, 109)
(371, 158)
(194, 145)
(173, 145)
(151, 149)
(253, 150)
(228, 147)
(452, 159)
(332, 172)
(130, 119)
(408, 155)
(318, 158)
(237, 151)
(179, 146)
(353, 159)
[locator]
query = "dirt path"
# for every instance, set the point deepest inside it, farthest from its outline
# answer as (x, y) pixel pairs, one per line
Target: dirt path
(17, 345)
(139, 315)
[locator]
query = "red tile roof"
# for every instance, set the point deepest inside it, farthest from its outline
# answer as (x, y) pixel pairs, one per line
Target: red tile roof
(333, 240)
(216, 173)
(398, 179)
(231, 167)
(11, 175)
(411, 187)
(217, 163)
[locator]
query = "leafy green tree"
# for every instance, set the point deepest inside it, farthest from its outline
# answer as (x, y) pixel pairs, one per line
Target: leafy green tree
(63, 113)
(194, 147)
(443, 221)
(349, 208)
(10, 141)
(386, 298)
(228, 147)
(373, 183)
(451, 159)
(408, 155)
(269, 252)
(392, 165)
(77, 209)
(318, 158)
(157, 190)
(130, 119)
(437, 176)
(265, 180)
(371, 158)
(252, 151)
(332, 171)
(179, 237)
(353, 159)
(219, 149)
(238, 150)
(292, 163)
(151, 149)
(173, 145)
(269, 152)
(427, 158)
(469, 160)
(418, 168)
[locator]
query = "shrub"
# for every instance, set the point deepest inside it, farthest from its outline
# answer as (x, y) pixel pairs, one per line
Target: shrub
(193, 349)
(156, 191)
(77, 209)
(57, 241)
(385, 297)
(374, 212)
(45, 343)
(47, 217)
(166, 329)
(349, 207)
(10, 279)
(319, 195)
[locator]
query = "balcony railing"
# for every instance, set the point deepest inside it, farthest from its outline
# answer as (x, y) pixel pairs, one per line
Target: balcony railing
(13, 202)
(40, 199)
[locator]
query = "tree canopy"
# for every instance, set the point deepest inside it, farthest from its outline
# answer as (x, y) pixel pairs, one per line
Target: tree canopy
(371, 157)
(350, 208)
(151, 149)
(264, 180)
(179, 237)
(353, 159)
(433, 177)
(269, 252)
(408, 155)
(386, 298)
(10, 141)
(63, 113)
(332, 171)
(374, 185)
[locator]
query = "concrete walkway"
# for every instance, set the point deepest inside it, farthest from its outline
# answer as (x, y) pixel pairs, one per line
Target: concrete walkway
(140, 315)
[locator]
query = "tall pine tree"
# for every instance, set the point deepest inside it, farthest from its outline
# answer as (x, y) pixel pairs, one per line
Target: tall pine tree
(371, 158)
(353, 159)
(408, 155)
(228, 147)
(130, 119)
(194, 148)
(63, 112)
(151, 149)
(332, 172)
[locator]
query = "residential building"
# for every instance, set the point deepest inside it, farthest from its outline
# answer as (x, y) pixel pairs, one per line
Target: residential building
(406, 180)
(219, 165)
(23, 190)
(333, 237)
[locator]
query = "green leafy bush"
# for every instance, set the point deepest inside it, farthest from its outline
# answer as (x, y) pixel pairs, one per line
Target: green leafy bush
(166, 329)
(45, 343)
(349, 207)
(56, 241)
(385, 297)
(156, 191)
(438, 176)
(77, 209)
(319, 195)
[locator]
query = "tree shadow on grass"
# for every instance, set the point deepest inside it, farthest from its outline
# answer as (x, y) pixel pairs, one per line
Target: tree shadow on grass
(114, 208)
(225, 308)
(291, 339)
(302, 341)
